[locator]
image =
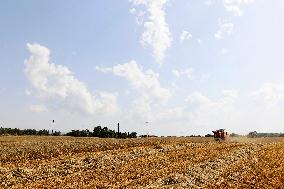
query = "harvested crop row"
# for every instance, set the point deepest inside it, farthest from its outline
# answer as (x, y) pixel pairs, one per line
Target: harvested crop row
(264, 170)
(21, 150)
(253, 166)
(115, 168)
(207, 174)
(65, 162)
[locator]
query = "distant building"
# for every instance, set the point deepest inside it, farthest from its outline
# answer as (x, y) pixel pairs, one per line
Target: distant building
(256, 134)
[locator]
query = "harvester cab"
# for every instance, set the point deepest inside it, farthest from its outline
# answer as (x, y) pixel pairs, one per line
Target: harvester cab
(221, 135)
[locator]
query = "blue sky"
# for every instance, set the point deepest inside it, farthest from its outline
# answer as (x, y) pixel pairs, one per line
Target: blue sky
(186, 67)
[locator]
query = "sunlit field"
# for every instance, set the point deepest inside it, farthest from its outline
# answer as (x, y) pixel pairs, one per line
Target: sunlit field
(184, 162)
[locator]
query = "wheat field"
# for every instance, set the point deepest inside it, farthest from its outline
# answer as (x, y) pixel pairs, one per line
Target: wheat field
(170, 162)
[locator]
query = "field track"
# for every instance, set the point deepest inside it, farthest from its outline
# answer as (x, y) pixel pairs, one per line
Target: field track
(66, 162)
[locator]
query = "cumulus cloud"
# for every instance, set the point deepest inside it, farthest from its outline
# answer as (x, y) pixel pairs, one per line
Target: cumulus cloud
(271, 94)
(188, 72)
(261, 110)
(233, 6)
(38, 108)
(57, 86)
(199, 100)
(145, 82)
(185, 35)
(152, 96)
(156, 31)
(103, 70)
(139, 15)
(225, 29)
(267, 107)
(208, 112)
(132, 10)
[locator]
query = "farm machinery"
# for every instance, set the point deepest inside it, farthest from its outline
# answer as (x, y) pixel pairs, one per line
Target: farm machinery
(221, 135)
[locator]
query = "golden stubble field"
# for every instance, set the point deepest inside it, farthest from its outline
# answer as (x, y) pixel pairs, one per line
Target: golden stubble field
(66, 162)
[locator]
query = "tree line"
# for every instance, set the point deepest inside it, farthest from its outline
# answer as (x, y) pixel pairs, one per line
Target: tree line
(98, 131)
(102, 132)
(16, 131)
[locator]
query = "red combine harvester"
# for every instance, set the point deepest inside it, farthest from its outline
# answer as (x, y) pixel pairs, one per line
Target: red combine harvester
(221, 135)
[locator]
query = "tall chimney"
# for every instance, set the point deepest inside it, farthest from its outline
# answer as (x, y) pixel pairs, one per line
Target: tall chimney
(118, 128)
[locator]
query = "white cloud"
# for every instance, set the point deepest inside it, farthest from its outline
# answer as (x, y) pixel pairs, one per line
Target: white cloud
(199, 100)
(185, 35)
(139, 15)
(208, 112)
(145, 82)
(189, 73)
(226, 29)
(103, 70)
(57, 86)
(261, 110)
(132, 10)
(109, 102)
(234, 6)
(152, 97)
(271, 94)
(156, 34)
(38, 108)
